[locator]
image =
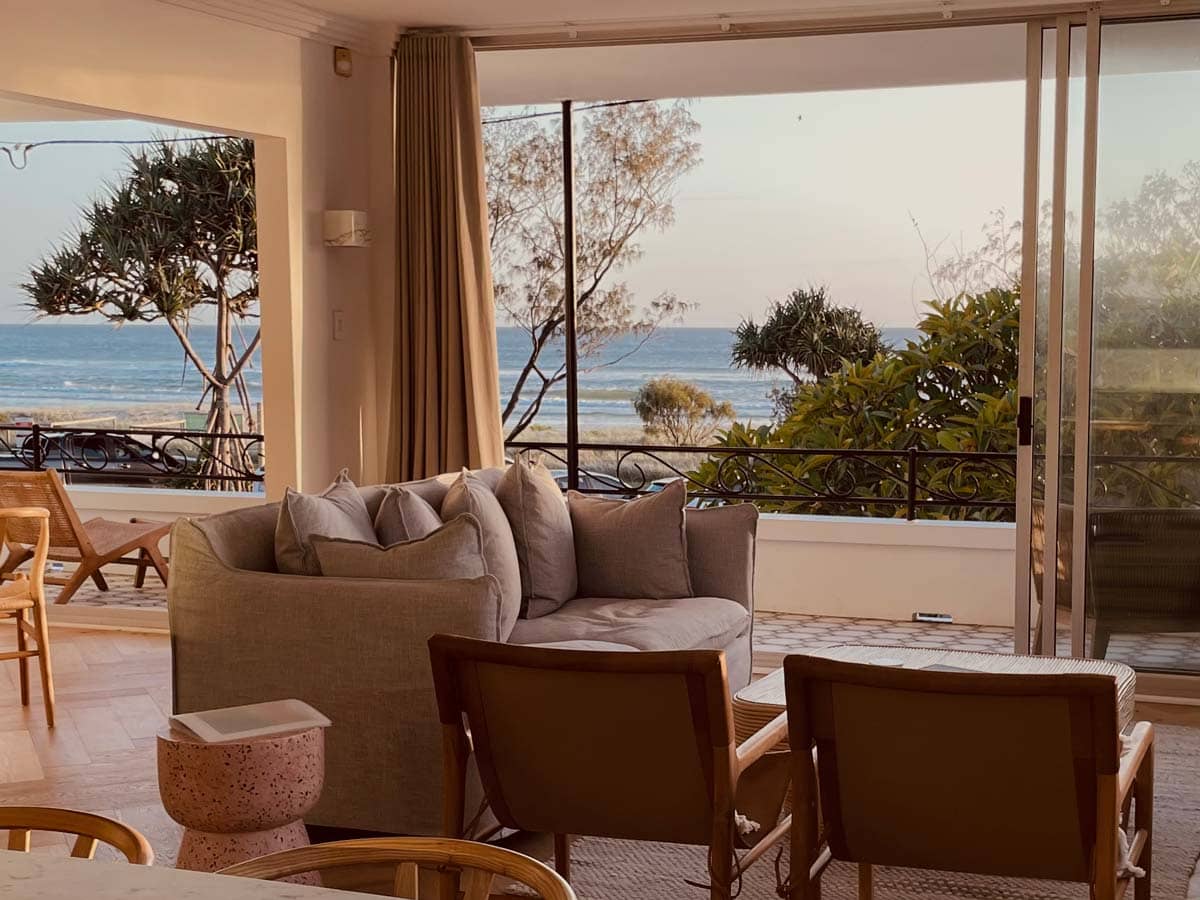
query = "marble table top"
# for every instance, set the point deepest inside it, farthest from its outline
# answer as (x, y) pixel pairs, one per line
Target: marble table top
(39, 876)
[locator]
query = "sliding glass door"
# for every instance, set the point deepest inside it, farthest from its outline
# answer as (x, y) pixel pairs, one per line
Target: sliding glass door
(1109, 497)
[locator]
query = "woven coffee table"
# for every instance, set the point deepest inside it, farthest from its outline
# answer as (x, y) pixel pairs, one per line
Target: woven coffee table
(761, 701)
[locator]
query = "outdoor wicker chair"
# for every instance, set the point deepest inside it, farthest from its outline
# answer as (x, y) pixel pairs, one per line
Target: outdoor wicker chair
(93, 544)
(1143, 572)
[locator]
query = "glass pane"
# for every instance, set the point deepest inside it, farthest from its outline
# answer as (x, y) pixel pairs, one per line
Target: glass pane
(523, 168)
(1144, 602)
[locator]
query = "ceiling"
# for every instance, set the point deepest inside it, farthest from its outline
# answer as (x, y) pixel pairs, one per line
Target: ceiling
(501, 14)
(14, 110)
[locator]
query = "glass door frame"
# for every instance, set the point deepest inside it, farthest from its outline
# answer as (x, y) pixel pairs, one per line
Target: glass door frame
(1024, 622)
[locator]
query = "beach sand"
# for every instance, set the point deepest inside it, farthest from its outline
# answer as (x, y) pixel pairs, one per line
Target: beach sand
(138, 415)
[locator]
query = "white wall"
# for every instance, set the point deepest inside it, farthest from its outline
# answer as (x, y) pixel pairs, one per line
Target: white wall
(886, 568)
(312, 130)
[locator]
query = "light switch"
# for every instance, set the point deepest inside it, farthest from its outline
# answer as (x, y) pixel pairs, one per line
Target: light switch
(339, 325)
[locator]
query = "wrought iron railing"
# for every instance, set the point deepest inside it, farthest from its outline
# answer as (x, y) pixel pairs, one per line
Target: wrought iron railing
(145, 457)
(914, 483)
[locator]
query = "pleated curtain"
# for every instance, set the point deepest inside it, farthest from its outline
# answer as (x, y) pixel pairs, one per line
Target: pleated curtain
(445, 405)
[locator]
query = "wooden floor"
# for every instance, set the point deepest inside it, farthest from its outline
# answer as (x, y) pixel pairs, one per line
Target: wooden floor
(114, 694)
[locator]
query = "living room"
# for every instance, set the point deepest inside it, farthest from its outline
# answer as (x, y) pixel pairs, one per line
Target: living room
(639, 565)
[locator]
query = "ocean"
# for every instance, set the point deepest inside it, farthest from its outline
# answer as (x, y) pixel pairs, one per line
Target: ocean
(98, 367)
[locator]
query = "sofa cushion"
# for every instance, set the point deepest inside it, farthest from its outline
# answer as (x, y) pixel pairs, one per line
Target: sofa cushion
(336, 512)
(685, 623)
(631, 548)
(455, 550)
(404, 515)
(541, 529)
(719, 542)
(587, 645)
(471, 494)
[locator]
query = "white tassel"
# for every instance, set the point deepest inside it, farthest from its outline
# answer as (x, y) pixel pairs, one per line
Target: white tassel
(1125, 868)
(744, 825)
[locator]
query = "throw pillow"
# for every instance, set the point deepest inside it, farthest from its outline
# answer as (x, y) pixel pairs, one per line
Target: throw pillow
(337, 512)
(541, 528)
(632, 548)
(470, 494)
(454, 550)
(404, 516)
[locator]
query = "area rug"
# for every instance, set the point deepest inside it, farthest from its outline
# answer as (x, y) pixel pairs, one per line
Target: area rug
(627, 870)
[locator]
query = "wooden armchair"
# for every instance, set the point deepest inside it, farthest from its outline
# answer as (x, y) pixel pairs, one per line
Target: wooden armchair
(478, 865)
(1009, 775)
(633, 745)
(93, 544)
(23, 599)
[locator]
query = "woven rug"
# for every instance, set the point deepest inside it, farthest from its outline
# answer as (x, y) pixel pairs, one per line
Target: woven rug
(629, 870)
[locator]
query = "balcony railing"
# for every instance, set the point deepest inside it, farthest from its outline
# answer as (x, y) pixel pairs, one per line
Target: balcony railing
(914, 483)
(137, 457)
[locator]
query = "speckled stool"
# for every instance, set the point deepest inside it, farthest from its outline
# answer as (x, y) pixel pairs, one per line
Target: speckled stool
(240, 799)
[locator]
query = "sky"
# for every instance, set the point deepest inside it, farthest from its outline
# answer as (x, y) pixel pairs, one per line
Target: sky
(793, 189)
(40, 204)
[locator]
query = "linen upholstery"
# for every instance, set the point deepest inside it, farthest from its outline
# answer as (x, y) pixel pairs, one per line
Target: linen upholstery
(720, 548)
(445, 394)
(631, 548)
(228, 565)
(337, 512)
(541, 528)
(471, 495)
(239, 637)
(455, 550)
(648, 724)
(685, 623)
(404, 515)
(990, 774)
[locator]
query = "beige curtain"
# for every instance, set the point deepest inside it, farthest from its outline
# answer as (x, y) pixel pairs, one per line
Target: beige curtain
(445, 410)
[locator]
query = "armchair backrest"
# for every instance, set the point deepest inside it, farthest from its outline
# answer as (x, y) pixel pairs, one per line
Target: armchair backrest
(624, 745)
(951, 770)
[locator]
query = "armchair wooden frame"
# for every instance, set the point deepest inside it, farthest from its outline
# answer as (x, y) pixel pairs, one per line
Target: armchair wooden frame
(701, 675)
(1108, 774)
(478, 864)
(89, 830)
(24, 600)
(93, 544)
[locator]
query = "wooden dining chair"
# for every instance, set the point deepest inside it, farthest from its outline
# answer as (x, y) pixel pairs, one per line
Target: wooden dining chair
(1023, 776)
(477, 864)
(89, 830)
(630, 745)
(25, 597)
(93, 544)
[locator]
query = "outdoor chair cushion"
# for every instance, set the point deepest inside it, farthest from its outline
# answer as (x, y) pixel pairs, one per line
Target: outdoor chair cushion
(686, 623)
(470, 494)
(404, 515)
(337, 512)
(631, 548)
(454, 550)
(541, 529)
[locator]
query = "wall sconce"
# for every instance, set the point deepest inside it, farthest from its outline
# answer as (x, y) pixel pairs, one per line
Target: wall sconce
(347, 228)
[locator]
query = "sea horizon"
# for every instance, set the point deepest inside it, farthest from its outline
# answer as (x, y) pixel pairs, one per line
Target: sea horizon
(138, 372)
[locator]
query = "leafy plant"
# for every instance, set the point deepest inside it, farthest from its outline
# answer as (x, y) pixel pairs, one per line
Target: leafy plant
(679, 411)
(807, 336)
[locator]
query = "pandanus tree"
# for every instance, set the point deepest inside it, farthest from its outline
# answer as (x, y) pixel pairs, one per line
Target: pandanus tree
(806, 336)
(173, 240)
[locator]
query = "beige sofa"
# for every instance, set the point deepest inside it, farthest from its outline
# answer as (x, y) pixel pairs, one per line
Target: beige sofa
(356, 648)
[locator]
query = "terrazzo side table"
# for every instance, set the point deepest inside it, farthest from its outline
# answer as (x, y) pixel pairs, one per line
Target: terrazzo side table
(240, 799)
